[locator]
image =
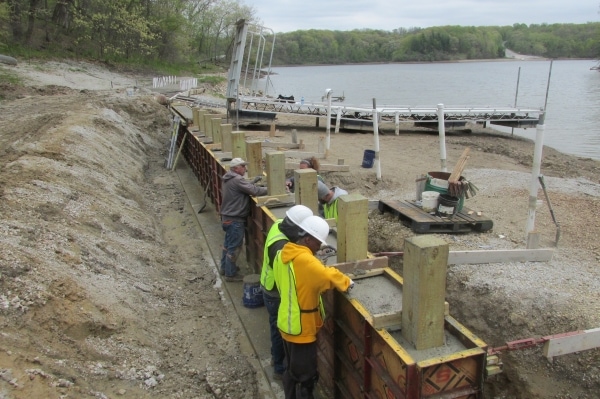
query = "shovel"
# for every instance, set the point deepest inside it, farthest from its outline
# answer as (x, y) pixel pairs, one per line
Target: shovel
(541, 179)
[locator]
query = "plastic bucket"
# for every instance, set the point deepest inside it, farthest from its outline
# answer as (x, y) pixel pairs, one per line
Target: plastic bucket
(435, 182)
(252, 296)
(420, 180)
(368, 159)
(448, 205)
(429, 201)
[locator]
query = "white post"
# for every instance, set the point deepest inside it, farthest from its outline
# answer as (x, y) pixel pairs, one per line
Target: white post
(397, 123)
(535, 173)
(337, 120)
(376, 137)
(328, 143)
(442, 132)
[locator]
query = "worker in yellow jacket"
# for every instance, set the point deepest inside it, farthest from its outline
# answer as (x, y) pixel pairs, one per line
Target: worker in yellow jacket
(301, 279)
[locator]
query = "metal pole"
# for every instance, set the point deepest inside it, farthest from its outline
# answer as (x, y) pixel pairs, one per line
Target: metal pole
(512, 129)
(442, 133)
(376, 137)
(328, 142)
(537, 164)
(548, 86)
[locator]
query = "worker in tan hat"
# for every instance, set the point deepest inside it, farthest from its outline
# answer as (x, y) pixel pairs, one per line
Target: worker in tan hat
(235, 208)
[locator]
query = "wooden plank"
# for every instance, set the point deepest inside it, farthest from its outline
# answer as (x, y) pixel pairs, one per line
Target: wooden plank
(303, 154)
(572, 342)
(275, 200)
(367, 274)
(323, 167)
(272, 144)
(500, 256)
(424, 291)
(420, 221)
(385, 320)
(362, 266)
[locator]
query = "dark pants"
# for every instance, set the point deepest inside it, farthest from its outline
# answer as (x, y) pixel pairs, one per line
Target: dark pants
(300, 376)
(277, 351)
(234, 239)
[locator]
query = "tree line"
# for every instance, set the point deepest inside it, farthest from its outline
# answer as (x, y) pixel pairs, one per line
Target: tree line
(175, 31)
(202, 31)
(445, 43)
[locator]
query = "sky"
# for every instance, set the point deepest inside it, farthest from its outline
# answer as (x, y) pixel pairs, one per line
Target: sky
(290, 15)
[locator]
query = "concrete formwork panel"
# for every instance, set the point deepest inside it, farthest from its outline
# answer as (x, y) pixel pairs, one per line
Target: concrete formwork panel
(356, 357)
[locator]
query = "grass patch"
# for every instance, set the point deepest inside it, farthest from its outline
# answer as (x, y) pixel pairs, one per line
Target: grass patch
(8, 77)
(212, 79)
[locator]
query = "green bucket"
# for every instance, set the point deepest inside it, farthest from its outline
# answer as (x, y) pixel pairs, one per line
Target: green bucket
(433, 184)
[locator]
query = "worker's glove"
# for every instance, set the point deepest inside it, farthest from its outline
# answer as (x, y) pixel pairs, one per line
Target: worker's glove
(350, 286)
(256, 179)
(326, 253)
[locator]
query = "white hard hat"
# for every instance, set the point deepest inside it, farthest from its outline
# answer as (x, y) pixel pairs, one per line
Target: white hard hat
(316, 227)
(298, 213)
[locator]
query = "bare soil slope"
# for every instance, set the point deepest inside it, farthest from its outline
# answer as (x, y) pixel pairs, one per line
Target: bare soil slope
(104, 290)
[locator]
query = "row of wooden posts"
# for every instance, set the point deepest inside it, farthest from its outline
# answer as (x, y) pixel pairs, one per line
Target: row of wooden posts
(352, 225)
(426, 255)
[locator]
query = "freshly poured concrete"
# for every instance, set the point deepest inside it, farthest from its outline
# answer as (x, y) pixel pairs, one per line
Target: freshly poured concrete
(451, 345)
(378, 294)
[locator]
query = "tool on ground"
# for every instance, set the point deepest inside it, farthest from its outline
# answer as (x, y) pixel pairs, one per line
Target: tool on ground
(541, 179)
(457, 185)
(179, 151)
(203, 201)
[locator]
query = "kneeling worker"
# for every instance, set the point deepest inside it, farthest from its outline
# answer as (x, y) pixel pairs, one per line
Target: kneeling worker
(328, 197)
(301, 279)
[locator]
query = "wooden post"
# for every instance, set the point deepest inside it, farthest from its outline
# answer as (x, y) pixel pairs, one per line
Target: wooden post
(352, 227)
(226, 144)
(424, 291)
(238, 145)
(321, 145)
(201, 127)
(294, 136)
(275, 167)
(196, 117)
(254, 154)
(208, 125)
(305, 189)
(533, 240)
(272, 130)
(216, 131)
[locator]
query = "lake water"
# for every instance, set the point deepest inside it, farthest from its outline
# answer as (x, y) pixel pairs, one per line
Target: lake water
(573, 105)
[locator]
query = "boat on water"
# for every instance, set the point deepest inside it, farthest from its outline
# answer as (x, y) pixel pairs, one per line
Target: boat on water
(334, 99)
(596, 67)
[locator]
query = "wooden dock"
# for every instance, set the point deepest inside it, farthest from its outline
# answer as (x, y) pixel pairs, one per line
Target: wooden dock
(419, 221)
